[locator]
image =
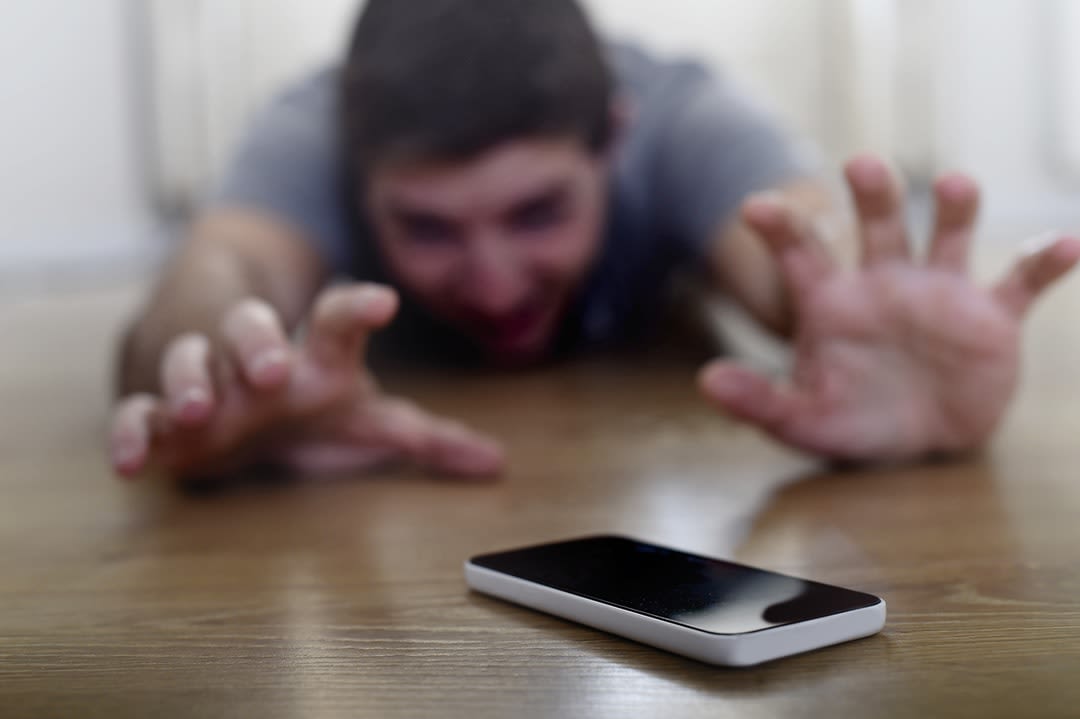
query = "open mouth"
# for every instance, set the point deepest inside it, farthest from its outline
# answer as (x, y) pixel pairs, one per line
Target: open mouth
(524, 330)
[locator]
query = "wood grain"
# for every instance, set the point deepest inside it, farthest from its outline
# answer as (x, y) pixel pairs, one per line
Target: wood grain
(345, 597)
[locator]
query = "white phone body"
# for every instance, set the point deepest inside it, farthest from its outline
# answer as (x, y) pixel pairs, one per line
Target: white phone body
(727, 649)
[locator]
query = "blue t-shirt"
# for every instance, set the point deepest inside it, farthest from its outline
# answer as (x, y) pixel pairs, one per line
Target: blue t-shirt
(693, 149)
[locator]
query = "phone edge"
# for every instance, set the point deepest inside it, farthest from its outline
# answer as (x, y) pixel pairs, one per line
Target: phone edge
(735, 650)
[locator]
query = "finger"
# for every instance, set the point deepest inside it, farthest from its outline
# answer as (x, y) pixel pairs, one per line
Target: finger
(879, 207)
(131, 432)
(335, 458)
(185, 380)
(257, 344)
(957, 202)
(804, 262)
(437, 443)
(1037, 270)
(749, 396)
(455, 449)
(344, 318)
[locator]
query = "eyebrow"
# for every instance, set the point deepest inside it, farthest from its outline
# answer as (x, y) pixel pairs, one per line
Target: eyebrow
(555, 192)
(404, 214)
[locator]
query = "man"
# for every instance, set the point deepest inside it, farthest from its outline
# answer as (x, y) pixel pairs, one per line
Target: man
(512, 190)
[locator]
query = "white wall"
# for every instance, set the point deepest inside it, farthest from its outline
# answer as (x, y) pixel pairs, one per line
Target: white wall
(1065, 79)
(222, 59)
(73, 181)
(995, 109)
(71, 184)
(753, 40)
(214, 63)
(991, 87)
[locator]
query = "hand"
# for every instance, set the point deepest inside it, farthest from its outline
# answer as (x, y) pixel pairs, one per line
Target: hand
(898, 359)
(310, 406)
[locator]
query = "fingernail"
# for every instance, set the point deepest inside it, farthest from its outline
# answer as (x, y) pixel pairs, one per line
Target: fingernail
(192, 403)
(125, 455)
(768, 197)
(371, 292)
(372, 295)
(269, 366)
(721, 383)
(1037, 243)
(869, 173)
(954, 186)
(765, 208)
(492, 452)
(485, 459)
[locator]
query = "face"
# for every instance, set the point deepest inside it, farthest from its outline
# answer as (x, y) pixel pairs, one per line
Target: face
(497, 246)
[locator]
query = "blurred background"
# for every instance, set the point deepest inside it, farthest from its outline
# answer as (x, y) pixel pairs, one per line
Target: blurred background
(117, 114)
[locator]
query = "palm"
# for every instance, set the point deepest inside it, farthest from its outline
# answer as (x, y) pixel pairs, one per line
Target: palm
(938, 355)
(897, 359)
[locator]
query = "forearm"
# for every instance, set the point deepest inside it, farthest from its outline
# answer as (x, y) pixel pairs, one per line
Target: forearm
(226, 259)
(192, 296)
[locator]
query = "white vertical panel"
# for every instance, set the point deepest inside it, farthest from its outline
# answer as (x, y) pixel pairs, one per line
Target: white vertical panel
(774, 47)
(1065, 91)
(254, 47)
(820, 63)
(178, 102)
(214, 63)
(873, 39)
(71, 190)
(995, 109)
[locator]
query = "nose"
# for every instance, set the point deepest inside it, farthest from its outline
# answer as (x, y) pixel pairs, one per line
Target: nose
(494, 282)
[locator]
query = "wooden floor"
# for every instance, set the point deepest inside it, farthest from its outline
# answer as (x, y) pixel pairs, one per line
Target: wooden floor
(346, 598)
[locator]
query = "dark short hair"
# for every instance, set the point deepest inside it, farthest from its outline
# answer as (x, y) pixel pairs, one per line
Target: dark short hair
(449, 79)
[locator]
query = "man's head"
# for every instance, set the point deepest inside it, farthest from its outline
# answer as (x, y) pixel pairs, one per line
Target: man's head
(479, 129)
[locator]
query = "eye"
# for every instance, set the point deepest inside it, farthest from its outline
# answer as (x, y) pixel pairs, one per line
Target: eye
(539, 215)
(428, 230)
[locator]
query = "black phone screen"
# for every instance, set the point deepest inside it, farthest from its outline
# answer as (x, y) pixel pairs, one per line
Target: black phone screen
(700, 592)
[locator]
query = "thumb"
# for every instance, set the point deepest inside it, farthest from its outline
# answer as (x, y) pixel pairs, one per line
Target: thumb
(438, 443)
(749, 396)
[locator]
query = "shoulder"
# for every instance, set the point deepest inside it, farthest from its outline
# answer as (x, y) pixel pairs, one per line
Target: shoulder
(650, 81)
(314, 89)
(309, 103)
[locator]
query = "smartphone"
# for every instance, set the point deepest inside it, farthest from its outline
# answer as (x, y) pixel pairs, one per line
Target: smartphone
(707, 609)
